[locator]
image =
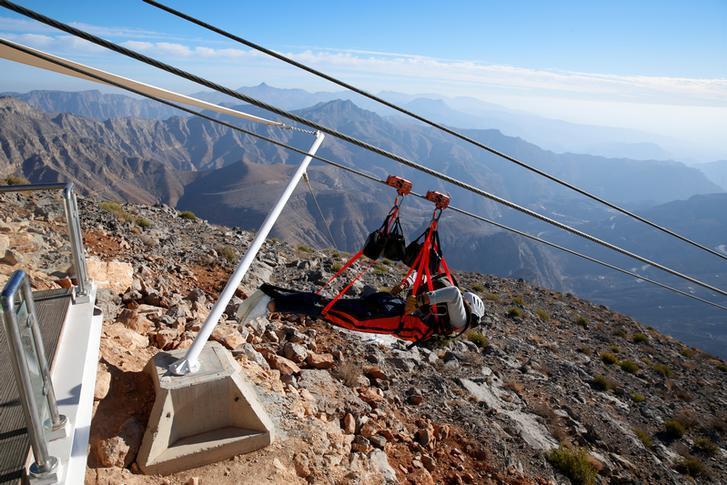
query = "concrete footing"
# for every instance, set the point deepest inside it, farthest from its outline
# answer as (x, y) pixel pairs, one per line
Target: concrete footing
(201, 418)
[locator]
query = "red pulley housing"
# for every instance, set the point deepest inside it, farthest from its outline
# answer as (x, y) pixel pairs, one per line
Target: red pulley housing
(439, 199)
(402, 185)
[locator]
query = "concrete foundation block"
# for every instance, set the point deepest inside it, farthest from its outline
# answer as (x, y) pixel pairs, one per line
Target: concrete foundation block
(201, 418)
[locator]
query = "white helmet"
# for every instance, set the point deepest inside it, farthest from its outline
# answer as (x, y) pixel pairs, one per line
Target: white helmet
(477, 307)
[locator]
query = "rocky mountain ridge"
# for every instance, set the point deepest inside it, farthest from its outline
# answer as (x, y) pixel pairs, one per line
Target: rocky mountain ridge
(233, 180)
(617, 401)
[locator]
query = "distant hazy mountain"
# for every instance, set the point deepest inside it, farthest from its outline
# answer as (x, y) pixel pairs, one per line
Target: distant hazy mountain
(94, 104)
(702, 218)
(468, 112)
(460, 112)
(283, 98)
(716, 172)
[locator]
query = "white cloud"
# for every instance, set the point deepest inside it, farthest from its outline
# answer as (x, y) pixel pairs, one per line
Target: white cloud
(65, 43)
(184, 51)
(670, 90)
(669, 105)
(11, 24)
(173, 49)
(128, 32)
(138, 45)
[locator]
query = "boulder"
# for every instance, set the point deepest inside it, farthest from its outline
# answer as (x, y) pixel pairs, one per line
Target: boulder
(295, 352)
(228, 336)
(280, 363)
(165, 338)
(10, 258)
(120, 450)
(103, 382)
(134, 320)
(115, 275)
(320, 361)
(125, 337)
(380, 463)
(349, 424)
(251, 354)
(374, 372)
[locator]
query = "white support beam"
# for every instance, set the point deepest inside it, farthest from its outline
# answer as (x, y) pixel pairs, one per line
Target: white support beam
(190, 362)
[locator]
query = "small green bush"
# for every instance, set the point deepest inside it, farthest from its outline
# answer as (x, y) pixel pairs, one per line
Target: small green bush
(706, 446)
(674, 429)
(582, 322)
(491, 297)
(602, 383)
(644, 437)
(228, 252)
(542, 314)
(336, 266)
(14, 180)
(518, 300)
(111, 206)
(639, 338)
(620, 332)
(629, 366)
(305, 249)
(188, 215)
(117, 210)
(574, 464)
(692, 466)
(638, 397)
(608, 358)
(478, 288)
(615, 349)
(662, 369)
(143, 222)
(722, 366)
(478, 338)
(687, 352)
(514, 312)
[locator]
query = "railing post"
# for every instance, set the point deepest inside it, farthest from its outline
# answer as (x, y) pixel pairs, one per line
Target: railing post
(58, 421)
(190, 362)
(76, 238)
(44, 464)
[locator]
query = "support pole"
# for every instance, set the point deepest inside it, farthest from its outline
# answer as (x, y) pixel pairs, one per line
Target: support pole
(190, 362)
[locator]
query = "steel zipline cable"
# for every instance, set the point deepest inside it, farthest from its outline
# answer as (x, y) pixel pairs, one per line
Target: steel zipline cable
(431, 123)
(374, 149)
(347, 169)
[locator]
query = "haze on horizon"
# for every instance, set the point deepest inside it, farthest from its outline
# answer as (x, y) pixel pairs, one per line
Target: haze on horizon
(658, 67)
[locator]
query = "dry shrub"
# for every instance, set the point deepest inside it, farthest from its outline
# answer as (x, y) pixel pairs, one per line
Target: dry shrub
(349, 373)
(515, 386)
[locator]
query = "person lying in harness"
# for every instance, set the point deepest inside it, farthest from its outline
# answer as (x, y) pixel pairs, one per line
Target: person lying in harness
(444, 311)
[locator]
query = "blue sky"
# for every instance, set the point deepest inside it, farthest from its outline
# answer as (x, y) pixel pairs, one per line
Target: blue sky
(657, 66)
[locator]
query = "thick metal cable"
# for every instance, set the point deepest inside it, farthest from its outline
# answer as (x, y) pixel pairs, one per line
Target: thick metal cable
(397, 158)
(331, 239)
(353, 171)
(431, 123)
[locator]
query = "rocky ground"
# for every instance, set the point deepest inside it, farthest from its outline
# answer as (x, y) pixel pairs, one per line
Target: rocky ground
(618, 402)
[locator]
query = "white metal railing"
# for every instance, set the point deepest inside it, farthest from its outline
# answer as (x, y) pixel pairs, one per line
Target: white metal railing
(32, 374)
(70, 203)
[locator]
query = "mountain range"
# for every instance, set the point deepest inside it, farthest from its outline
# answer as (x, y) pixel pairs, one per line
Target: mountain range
(124, 148)
(464, 112)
